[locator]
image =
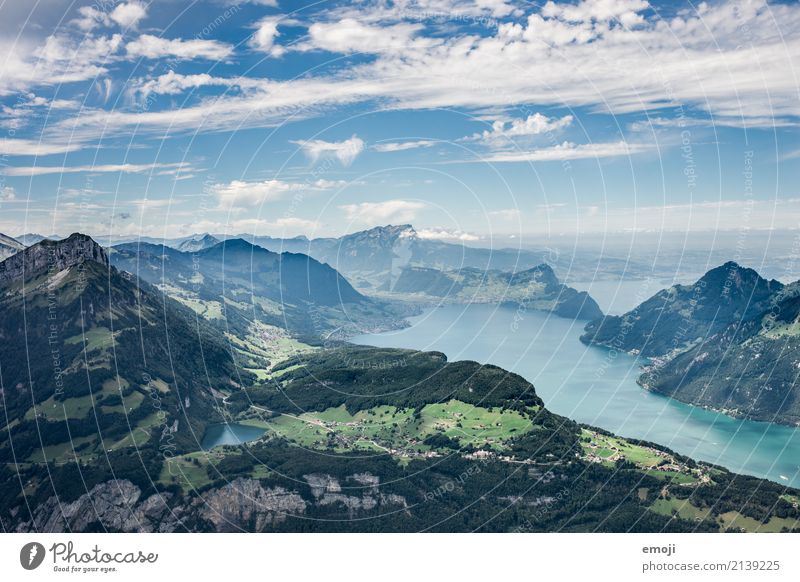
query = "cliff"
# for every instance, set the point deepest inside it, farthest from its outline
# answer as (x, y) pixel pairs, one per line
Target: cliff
(53, 256)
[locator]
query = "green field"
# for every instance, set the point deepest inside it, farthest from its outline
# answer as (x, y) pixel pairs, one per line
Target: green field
(62, 451)
(66, 451)
(608, 450)
(399, 431)
(54, 410)
(733, 520)
(194, 470)
(680, 507)
(207, 309)
(189, 471)
(612, 448)
(264, 347)
(96, 338)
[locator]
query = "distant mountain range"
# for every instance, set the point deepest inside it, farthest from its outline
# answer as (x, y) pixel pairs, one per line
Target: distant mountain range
(537, 288)
(243, 283)
(577, 259)
(730, 342)
(375, 258)
(391, 262)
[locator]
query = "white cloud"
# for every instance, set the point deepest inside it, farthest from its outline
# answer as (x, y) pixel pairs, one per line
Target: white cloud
(403, 145)
(270, 3)
(351, 36)
(297, 224)
(536, 124)
(506, 215)
(476, 12)
(125, 14)
(604, 56)
(345, 151)
(570, 151)
(172, 83)
(128, 14)
(7, 194)
(90, 18)
(447, 234)
(372, 213)
(285, 226)
(625, 11)
(264, 37)
(166, 169)
(30, 147)
(154, 47)
(59, 59)
(241, 194)
(22, 113)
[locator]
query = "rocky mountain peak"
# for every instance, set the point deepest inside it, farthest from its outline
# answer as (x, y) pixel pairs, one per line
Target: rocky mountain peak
(389, 232)
(198, 242)
(49, 255)
(734, 280)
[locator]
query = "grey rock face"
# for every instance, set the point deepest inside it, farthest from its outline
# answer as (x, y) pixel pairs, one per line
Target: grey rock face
(113, 504)
(51, 256)
(244, 504)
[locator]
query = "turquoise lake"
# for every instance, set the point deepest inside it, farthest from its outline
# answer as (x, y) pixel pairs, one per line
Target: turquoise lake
(229, 434)
(590, 385)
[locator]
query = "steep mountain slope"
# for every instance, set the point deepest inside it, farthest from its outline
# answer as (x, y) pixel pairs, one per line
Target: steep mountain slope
(683, 315)
(537, 288)
(9, 246)
(94, 362)
(749, 369)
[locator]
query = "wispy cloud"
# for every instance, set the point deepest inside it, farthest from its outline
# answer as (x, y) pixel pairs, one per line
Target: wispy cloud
(345, 151)
(505, 215)
(350, 35)
(242, 194)
(569, 151)
(125, 14)
(8, 194)
(154, 47)
(162, 169)
(29, 147)
(399, 146)
(447, 234)
(371, 213)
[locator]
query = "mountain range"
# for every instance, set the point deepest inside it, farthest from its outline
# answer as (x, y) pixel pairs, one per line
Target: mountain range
(391, 263)
(110, 386)
(241, 283)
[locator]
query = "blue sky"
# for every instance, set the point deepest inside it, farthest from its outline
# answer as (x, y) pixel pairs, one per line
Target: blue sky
(467, 119)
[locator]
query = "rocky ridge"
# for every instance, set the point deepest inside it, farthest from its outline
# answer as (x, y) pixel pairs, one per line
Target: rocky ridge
(53, 256)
